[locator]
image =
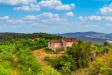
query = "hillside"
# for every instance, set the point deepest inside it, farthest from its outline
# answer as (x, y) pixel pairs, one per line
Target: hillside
(16, 55)
(102, 66)
(94, 37)
(83, 35)
(10, 36)
(30, 55)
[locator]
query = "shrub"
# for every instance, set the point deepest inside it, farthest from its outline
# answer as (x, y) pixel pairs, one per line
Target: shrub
(48, 50)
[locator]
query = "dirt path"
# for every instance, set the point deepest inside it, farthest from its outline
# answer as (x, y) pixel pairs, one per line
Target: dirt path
(40, 54)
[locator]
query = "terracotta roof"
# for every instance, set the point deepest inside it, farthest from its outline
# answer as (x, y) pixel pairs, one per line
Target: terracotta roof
(56, 41)
(69, 40)
(65, 39)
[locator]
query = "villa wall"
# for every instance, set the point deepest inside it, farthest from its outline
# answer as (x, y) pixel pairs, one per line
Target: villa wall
(61, 44)
(54, 46)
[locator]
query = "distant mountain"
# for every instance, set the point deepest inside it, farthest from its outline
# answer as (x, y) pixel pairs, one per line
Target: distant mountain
(83, 35)
(109, 36)
(91, 36)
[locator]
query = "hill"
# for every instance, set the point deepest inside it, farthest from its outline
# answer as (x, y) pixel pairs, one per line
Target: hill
(11, 36)
(95, 37)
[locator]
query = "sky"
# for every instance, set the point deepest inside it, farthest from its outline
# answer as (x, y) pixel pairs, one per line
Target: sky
(55, 16)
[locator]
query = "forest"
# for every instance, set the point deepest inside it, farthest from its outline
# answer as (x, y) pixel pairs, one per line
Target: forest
(16, 56)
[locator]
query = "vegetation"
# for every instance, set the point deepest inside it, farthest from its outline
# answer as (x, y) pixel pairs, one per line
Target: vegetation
(77, 57)
(48, 71)
(16, 56)
(48, 50)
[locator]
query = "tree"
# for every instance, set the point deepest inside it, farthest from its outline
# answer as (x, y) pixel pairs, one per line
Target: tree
(80, 52)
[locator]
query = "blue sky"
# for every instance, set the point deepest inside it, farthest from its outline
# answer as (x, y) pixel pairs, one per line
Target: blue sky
(55, 16)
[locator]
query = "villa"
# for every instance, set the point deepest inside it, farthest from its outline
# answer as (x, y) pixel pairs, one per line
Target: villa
(61, 44)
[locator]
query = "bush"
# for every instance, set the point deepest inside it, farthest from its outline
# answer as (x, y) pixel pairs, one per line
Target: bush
(49, 50)
(46, 58)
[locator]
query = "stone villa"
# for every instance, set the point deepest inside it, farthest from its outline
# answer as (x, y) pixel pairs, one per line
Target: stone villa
(61, 43)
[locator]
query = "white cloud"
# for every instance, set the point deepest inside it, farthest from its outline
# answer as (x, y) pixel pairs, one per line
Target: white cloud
(31, 7)
(15, 2)
(65, 7)
(92, 18)
(50, 3)
(56, 4)
(4, 17)
(49, 15)
(44, 18)
(70, 14)
(30, 17)
(25, 5)
(96, 18)
(107, 9)
(14, 22)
